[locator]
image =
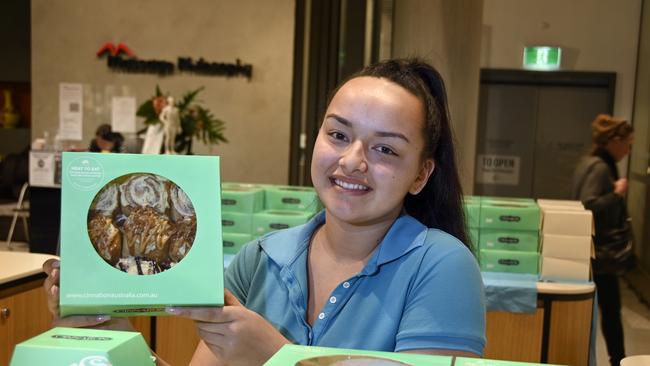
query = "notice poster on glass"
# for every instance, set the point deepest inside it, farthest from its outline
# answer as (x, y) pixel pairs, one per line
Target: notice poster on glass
(123, 114)
(70, 111)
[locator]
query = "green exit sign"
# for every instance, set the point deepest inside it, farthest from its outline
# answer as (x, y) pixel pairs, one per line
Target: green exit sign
(542, 58)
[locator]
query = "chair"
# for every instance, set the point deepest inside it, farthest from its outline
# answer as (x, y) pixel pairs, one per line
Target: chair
(20, 210)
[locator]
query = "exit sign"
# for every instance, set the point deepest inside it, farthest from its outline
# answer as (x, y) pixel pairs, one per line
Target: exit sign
(542, 58)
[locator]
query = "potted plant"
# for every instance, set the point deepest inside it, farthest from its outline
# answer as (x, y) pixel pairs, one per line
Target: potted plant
(196, 121)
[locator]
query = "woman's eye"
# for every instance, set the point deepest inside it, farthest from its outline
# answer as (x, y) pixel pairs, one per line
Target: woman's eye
(337, 136)
(385, 150)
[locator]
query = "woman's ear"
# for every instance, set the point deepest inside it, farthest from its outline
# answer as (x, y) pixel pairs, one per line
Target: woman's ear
(423, 176)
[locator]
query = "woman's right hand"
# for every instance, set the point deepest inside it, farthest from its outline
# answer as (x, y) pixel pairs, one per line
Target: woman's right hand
(51, 285)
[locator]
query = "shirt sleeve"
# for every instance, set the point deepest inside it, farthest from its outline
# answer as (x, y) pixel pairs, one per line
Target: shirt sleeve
(446, 306)
(237, 277)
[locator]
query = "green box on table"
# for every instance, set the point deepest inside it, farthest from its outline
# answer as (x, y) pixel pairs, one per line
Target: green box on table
(292, 198)
(465, 361)
(237, 222)
(472, 212)
(271, 220)
(519, 240)
(299, 356)
(232, 242)
(518, 200)
(509, 216)
(244, 198)
(509, 261)
(81, 346)
(135, 229)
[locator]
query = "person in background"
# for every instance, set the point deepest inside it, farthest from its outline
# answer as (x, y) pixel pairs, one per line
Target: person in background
(597, 184)
(384, 267)
(106, 140)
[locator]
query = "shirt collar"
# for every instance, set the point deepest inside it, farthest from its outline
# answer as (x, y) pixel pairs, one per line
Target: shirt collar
(404, 235)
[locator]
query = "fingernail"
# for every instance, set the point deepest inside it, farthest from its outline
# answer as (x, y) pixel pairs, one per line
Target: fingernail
(171, 310)
(103, 318)
(56, 264)
(55, 272)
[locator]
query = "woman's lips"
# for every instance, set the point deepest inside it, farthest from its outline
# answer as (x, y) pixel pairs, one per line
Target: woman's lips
(349, 186)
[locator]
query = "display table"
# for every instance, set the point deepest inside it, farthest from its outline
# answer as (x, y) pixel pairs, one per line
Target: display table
(557, 332)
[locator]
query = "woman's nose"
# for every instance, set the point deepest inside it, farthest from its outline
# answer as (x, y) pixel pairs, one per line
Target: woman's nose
(354, 158)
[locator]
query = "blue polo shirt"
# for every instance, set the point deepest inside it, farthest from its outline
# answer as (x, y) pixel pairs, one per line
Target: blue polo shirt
(421, 288)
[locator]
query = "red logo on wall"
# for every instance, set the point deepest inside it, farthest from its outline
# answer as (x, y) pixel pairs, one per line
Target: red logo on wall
(113, 50)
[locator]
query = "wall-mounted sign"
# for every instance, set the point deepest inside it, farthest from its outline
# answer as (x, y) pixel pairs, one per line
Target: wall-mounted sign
(132, 64)
(542, 58)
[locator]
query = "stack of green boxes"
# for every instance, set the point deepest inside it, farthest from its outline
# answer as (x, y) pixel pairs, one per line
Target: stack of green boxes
(509, 235)
(252, 210)
(239, 202)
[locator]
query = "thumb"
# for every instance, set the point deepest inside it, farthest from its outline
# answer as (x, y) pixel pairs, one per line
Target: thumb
(230, 299)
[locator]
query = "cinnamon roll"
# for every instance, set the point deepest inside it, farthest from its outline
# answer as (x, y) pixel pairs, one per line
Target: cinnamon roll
(105, 237)
(182, 238)
(144, 190)
(181, 206)
(146, 234)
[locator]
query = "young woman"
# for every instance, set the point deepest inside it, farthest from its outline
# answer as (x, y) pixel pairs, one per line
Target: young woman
(384, 266)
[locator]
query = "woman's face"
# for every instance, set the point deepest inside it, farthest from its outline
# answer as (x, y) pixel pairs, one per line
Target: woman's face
(619, 147)
(368, 153)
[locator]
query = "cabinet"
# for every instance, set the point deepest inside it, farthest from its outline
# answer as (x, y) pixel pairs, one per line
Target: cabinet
(23, 314)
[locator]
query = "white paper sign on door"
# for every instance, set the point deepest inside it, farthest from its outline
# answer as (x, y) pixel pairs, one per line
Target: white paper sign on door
(498, 169)
(123, 114)
(70, 111)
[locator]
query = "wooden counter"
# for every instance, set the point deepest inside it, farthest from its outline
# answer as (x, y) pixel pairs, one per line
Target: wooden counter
(23, 305)
(559, 332)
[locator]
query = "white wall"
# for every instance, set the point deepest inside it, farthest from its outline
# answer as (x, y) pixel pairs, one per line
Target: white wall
(67, 34)
(595, 35)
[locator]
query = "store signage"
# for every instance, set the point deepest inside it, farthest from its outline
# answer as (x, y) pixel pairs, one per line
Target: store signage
(542, 58)
(498, 169)
(132, 64)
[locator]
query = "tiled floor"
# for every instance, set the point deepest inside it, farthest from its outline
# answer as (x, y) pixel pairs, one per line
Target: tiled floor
(636, 327)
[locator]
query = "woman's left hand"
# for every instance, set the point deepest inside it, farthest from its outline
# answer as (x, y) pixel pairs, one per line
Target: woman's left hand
(233, 333)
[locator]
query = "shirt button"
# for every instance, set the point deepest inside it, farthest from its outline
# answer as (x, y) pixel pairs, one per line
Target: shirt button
(346, 284)
(321, 316)
(333, 299)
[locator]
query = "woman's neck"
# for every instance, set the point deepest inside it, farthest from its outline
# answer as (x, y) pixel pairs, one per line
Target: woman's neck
(351, 243)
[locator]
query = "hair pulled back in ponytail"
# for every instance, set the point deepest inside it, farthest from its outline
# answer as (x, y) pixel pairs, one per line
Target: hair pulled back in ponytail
(439, 204)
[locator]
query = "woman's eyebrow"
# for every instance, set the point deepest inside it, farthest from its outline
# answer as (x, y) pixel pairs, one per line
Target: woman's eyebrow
(347, 123)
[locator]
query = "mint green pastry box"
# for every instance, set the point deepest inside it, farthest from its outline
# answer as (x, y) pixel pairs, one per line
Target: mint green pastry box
(509, 216)
(271, 220)
(83, 347)
(136, 230)
(290, 355)
(474, 237)
(292, 198)
(464, 361)
(242, 198)
(232, 242)
(523, 241)
(472, 212)
(237, 222)
(509, 261)
(496, 199)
